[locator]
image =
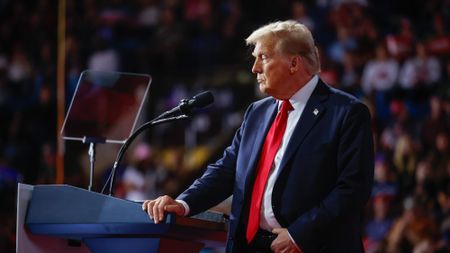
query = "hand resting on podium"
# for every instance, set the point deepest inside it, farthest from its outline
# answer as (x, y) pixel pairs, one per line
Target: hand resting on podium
(157, 207)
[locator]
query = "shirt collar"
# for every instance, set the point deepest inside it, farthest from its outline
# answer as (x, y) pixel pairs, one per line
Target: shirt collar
(301, 96)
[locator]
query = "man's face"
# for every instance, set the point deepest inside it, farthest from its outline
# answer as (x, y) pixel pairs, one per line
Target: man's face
(272, 70)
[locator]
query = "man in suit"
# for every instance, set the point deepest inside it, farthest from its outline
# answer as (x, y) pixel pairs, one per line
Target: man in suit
(300, 167)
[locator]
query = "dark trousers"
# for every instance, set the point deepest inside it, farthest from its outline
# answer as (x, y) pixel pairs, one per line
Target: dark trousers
(262, 241)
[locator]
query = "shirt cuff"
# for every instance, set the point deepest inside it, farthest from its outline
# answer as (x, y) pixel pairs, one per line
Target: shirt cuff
(298, 248)
(186, 207)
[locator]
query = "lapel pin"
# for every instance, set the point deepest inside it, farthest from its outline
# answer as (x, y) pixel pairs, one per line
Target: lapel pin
(316, 112)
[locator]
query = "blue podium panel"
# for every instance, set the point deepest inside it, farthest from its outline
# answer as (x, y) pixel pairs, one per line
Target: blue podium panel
(73, 213)
(147, 245)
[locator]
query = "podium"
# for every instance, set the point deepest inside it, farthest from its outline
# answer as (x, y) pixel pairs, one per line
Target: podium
(85, 221)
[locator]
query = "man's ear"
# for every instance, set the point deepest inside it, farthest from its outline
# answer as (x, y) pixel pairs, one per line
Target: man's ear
(296, 63)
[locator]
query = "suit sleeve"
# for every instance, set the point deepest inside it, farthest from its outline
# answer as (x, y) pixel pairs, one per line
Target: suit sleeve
(354, 182)
(217, 183)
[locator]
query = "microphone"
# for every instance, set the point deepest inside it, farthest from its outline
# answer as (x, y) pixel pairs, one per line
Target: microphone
(182, 111)
(186, 106)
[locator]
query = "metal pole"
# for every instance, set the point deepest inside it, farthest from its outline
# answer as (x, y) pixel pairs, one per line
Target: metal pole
(91, 162)
(60, 90)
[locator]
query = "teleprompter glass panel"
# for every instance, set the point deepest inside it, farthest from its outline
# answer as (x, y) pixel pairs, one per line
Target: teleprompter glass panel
(105, 105)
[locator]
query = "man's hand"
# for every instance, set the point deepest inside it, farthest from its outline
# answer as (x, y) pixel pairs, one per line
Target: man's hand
(283, 242)
(156, 208)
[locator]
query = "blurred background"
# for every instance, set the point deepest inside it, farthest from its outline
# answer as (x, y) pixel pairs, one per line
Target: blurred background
(393, 55)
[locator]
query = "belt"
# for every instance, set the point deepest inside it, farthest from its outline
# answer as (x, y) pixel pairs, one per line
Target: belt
(262, 241)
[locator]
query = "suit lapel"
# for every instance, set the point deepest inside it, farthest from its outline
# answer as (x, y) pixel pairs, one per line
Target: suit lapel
(313, 111)
(267, 120)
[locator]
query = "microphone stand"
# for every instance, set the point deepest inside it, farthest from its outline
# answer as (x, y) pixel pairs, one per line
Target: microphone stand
(159, 120)
(91, 152)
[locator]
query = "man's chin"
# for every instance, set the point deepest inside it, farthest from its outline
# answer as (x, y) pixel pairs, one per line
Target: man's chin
(263, 88)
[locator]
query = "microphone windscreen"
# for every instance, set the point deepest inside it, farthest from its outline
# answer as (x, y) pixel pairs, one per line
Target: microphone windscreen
(203, 99)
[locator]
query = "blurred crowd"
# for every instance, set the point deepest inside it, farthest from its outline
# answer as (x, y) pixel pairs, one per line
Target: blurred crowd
(393, 55)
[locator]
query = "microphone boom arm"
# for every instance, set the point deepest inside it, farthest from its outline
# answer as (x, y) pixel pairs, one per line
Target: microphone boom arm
(185, 107)
(159, 120)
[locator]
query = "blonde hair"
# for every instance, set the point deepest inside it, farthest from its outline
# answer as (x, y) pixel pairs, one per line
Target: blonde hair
(291, 37)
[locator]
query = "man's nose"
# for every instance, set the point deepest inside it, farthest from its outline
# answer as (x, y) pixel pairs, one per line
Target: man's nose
(256, 67)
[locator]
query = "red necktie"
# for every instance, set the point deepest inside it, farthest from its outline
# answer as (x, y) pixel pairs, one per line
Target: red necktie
(269, 150)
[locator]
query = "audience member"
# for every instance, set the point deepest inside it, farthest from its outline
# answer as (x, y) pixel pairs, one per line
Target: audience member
(421, 71)
(377, 228)
(380, 74)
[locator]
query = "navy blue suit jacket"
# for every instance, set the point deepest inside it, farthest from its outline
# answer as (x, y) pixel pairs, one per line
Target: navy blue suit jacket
(325, 178)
